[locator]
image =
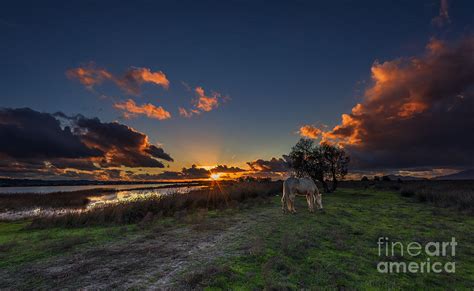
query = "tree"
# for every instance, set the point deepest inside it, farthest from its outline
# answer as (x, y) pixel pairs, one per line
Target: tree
(306, 159)
(319, 162)
(337, 162)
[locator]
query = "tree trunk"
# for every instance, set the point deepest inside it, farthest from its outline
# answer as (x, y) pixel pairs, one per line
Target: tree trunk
(334, 181)
(325, 186)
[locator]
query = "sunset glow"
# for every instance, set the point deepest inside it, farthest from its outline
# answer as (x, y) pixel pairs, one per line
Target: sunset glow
(215, 176)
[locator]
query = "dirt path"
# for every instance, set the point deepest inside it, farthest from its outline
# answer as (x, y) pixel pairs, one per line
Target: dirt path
(153, 259)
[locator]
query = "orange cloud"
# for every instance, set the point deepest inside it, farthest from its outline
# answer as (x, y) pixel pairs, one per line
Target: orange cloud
(89, 76)
(130, 82)
(206, 103)
(415, 111)
(135, 77)
(188, 113)
(202, 103)
(131, 109)
(309, 131)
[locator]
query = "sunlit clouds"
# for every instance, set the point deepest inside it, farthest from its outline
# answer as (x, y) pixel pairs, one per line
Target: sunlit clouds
(130, 109)
(413, 111)
(51, 145)
(89, 76)
(202, 103)
(130, 82)
(310, 131)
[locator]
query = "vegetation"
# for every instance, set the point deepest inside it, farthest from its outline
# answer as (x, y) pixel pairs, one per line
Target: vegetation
(133, 211)
(72, 199)
(452, 194)
(320, 162)
(337, 248)
(247, 245)
(457, 194)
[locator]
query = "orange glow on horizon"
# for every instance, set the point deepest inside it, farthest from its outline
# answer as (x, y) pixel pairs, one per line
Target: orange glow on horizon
(215, 176)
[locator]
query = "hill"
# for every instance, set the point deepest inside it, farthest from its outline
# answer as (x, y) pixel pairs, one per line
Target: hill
(405, 178)
(463, 175)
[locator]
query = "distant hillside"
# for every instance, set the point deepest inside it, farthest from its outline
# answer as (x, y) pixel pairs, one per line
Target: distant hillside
(404, 178)
(463, 175)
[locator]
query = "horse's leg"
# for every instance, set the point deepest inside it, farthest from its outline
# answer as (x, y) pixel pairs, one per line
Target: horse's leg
(288, 203)
(319, 200)
(283, 203)
(309, 199)
(292, 203)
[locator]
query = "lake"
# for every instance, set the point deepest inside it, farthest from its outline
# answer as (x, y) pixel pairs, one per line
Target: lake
(54, 189)
(123, 193)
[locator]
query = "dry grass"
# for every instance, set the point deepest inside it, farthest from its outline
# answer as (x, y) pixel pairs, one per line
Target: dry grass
(177, 204)
(452, 194)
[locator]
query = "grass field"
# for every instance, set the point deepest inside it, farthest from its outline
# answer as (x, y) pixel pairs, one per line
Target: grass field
(250, 245)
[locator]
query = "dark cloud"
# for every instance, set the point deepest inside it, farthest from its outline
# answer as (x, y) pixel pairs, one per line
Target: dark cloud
(42, 144)
(124, 146)
(419, 112)
(194, 172)
(226, 169)
(26, 133)
(273, 165)
(78, 164)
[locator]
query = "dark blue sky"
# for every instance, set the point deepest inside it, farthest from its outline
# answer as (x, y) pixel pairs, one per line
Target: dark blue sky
(282, 63)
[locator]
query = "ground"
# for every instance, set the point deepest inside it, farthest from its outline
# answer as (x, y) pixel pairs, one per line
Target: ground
(252, 245)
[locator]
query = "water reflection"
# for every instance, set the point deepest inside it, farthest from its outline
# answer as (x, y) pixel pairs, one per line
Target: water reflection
(96, 201)
(53, 189)
(136, 194)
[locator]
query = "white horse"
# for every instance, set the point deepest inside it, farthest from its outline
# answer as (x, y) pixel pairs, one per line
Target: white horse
(300, 186)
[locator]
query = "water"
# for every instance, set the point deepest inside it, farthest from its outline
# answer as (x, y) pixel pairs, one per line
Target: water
(109, 197)
(53, 189)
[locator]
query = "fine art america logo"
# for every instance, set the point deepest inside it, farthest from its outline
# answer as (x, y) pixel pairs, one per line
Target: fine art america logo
(436, 257)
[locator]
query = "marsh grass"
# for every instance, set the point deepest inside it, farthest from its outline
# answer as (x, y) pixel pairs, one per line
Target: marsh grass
(71, 199)
(143, 209)
(447, 194)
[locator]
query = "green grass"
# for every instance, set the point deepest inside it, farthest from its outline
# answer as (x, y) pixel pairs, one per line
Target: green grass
(19, 245)
(334, 248)
(338, 247)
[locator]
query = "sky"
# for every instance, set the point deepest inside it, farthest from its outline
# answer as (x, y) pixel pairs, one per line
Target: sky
(233, 83)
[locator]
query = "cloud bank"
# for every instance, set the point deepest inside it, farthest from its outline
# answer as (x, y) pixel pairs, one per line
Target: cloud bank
(42, 144)
(418, 112)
